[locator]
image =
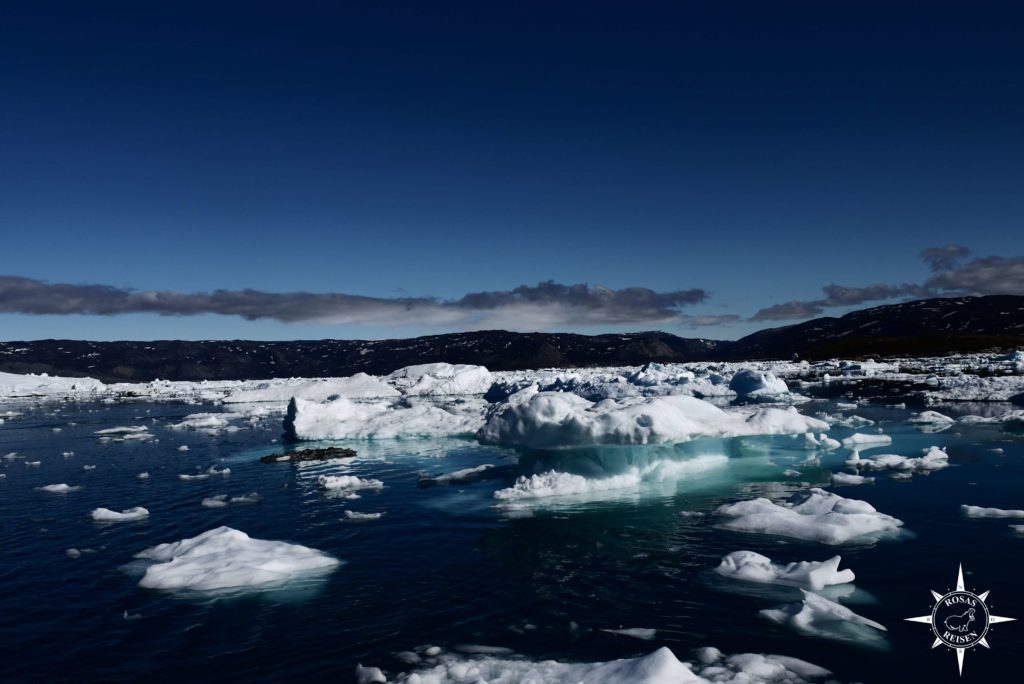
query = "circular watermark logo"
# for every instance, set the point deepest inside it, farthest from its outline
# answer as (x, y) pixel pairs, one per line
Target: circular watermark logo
(960, 619)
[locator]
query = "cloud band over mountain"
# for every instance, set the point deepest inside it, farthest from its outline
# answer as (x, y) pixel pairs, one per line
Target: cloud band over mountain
(528, 306)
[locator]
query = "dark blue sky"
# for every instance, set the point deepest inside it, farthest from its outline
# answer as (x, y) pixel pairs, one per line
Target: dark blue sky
(756, 151)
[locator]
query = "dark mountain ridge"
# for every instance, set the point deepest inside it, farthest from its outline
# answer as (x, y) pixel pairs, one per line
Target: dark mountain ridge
(923, 327)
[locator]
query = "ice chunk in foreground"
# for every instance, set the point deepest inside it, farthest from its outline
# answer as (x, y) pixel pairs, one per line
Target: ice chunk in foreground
(818, 516)
(659, 667)
(982, 512)
(817, 616)
(542, 420)
(224, 558)
(107, 515)
(753, 567)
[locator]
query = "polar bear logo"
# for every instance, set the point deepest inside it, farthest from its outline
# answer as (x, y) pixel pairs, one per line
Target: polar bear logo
(960, 623)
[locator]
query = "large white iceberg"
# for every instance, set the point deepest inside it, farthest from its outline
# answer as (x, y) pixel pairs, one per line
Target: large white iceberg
(756, 385)
(224, 558)
(441, 379)
(358, 386)
(820, 516)
(753, 567)
(343, 418)
(535, 419)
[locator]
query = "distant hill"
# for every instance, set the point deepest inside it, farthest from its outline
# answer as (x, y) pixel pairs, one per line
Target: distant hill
(924, 327)
(240, 359)
(918, 328)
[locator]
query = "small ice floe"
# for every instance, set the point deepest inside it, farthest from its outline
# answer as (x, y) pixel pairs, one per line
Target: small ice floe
(143, 476)
(850, 421)
(183, 448)
(211, 422)
(814, 575)
(463, 476)
(846, 406)
(58, 488)
(846, 479)
(224, 558)
(88, 467)
(222, 500)
(369, 675)
(644, 633)
(931, 418)
(347, 483)
(131, 616)
(934, 458)
(998, 451)
(211, 471)
(122, 430)
(356, 516)
(981, 512)
(789, 472)
(860, 441)
(691, 514)
(1019, 529)
(817, 616)
(67, 454)
(73, 553)
(127, 515)
(33, 464)
(814, 515)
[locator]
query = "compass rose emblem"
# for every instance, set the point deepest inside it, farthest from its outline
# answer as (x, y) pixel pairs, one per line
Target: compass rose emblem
(960, 619)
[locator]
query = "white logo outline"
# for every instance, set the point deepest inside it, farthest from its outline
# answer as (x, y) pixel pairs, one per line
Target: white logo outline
(961, 624)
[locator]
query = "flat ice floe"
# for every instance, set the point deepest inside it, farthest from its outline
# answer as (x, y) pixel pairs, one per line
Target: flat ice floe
(541, 420)
(814, 575)
(225, 558)
(819, 617)
(860, 441)
(847, 479)
(58, 488)
(982, 512)
(347, 483)
(933, 459)
(659, 667)
(816, 515)
(206, 421)
(128, 515)
(343, 418)
(223, 500)
(358, 386)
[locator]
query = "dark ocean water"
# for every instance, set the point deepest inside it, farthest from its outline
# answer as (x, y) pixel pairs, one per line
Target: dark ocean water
(445, 567)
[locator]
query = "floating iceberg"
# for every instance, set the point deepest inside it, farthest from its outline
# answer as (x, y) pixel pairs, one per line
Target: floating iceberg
(860, 441)
(107, 515)
(225, 558)
(818, 516)
(542, 420)
(755, 385)
(206, 421)
(981, 512)
(433, 379)
(847, 479)
(753, 567)
(346, 419)
(349, 483)
(58, 488)
(933, 459)
(817, 616)
(358, 386)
